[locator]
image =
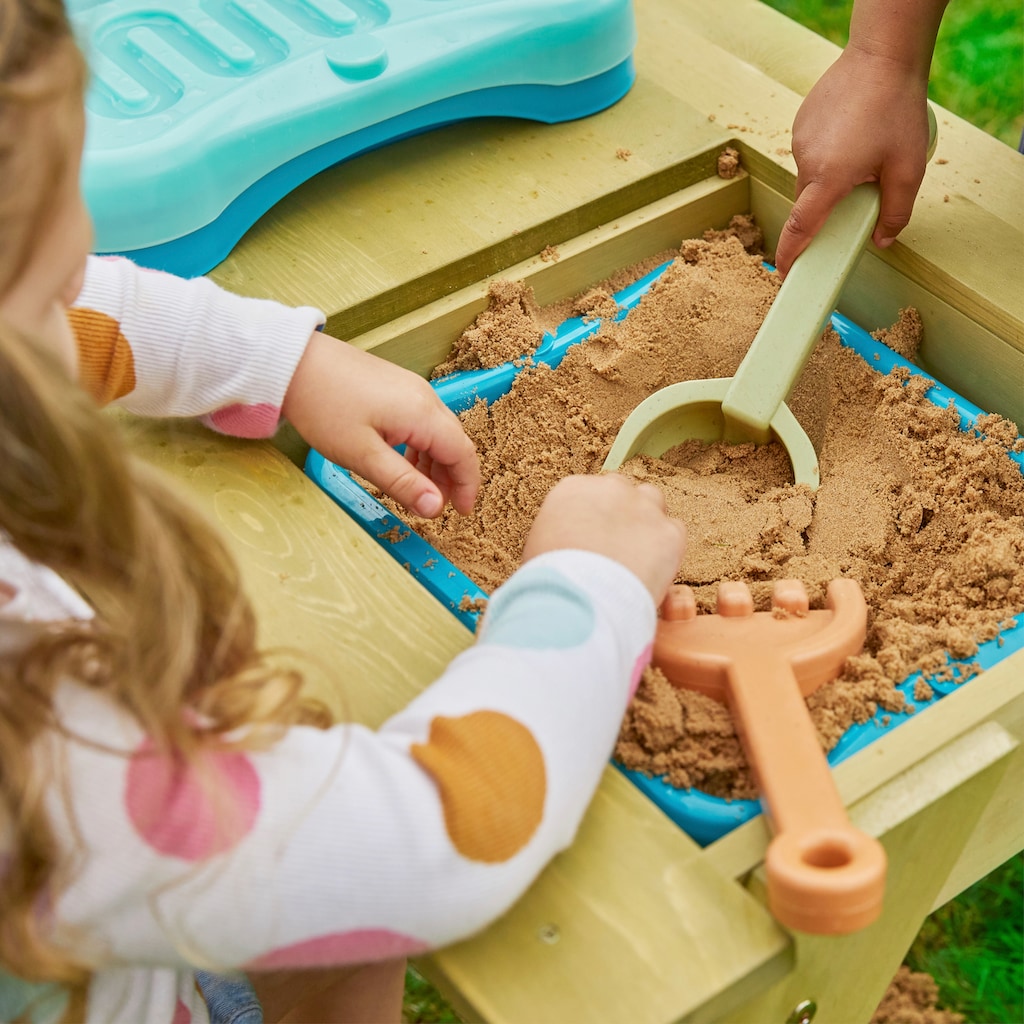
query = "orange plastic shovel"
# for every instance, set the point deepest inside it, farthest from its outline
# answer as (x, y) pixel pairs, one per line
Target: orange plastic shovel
(824, 876)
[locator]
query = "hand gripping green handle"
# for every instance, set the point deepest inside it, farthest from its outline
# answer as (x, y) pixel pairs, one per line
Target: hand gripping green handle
(795, 320)
(797, 316)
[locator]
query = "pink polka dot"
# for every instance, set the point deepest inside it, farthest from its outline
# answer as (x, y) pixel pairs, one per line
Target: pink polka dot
(191, 812)
(638, 669)
(251, 421)
(182, 1014)
(356, 947)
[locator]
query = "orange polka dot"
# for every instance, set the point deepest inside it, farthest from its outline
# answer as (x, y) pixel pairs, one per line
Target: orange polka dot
(106, 365)
(490, 773)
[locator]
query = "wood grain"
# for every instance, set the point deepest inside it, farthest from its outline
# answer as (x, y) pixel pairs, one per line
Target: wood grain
(368, 634)
(924, 817)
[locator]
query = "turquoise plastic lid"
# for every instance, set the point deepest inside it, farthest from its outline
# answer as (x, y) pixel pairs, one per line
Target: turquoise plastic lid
(203, 113)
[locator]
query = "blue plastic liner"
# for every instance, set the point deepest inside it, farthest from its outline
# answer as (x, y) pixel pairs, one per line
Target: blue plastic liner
(705, 818)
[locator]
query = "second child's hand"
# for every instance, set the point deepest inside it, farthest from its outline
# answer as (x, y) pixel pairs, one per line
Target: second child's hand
(866, 119)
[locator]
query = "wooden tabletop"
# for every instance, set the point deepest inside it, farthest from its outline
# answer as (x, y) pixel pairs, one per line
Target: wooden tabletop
(634, 923)
(383, 234)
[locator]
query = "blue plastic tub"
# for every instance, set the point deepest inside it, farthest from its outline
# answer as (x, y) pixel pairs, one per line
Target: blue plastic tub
(204, 113)
(705, 818)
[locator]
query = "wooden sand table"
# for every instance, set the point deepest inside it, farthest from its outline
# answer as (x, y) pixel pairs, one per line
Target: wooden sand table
(928, 519)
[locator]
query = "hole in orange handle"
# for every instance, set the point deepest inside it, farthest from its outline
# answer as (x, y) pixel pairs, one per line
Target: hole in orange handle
(828, 854)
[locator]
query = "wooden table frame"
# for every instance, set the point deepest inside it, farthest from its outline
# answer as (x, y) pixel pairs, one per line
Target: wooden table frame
(635, 922)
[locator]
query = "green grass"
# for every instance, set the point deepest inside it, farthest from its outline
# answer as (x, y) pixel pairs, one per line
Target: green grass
(974, 945)
(978, 67)
(974, 948)
(423, 1003)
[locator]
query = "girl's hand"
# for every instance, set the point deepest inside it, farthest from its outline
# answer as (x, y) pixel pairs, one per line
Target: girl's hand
(611, 516)
(354, 408)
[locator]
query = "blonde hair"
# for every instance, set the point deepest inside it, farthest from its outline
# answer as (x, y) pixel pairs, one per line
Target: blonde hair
(173, 629)
(40, 67)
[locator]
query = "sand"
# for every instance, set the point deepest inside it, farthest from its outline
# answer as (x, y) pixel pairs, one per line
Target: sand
(912, 998)
(928, 519)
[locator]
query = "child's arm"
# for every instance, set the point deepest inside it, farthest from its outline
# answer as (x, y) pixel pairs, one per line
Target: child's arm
(866, 120)
(160, 345)
(348, 845)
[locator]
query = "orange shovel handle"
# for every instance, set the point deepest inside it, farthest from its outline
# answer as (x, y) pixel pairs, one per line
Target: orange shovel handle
(824, 876)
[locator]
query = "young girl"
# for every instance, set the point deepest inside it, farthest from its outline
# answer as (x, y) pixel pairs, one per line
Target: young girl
(171, 807)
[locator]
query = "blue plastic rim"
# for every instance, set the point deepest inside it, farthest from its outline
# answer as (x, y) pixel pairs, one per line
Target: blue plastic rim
(705, 818)
(202, 114)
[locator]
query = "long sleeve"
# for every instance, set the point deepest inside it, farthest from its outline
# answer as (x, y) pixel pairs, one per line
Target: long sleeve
(347, 845)
(161, 345)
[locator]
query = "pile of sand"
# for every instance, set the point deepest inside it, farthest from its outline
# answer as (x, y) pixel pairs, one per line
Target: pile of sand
(912, 998)
(928, 519)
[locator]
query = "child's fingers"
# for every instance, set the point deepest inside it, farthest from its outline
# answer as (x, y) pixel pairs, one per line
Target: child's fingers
(656, 496)
(457, 473)
(611, 516)
(439, 447)
(460, 492)
(400, 477)
(653, 493)
(899, 185)
(809, 213)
